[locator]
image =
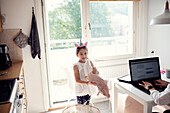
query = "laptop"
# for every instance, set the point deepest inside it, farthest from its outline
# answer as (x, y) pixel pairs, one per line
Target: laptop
(145, 69)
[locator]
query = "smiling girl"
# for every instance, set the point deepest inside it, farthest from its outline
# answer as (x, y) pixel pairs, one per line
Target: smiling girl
(84, 88)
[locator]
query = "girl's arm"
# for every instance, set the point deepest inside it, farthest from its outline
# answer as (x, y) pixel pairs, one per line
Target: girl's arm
(91, 64)
(76, 74)
(94, 68)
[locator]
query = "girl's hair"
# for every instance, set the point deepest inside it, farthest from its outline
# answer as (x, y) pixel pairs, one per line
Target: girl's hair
(79, 48)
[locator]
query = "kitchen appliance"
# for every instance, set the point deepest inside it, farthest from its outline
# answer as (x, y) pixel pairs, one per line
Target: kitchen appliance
(5, 60)
(9, 92)
(8, 89)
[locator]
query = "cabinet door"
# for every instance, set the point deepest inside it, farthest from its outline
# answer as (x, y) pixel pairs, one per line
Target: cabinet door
(0, 22)
(23, 92)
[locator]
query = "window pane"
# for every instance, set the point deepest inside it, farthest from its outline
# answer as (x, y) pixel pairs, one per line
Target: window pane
(64, 22)
(111, 28)
(64, 18)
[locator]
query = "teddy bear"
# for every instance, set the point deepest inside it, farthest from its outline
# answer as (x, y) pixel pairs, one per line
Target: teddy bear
(101, 84)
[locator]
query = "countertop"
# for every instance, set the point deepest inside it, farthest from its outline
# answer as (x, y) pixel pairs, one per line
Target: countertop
(5, 108)
(13, 71)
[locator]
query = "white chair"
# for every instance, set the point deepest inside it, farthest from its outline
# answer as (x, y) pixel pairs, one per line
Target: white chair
(70, 83)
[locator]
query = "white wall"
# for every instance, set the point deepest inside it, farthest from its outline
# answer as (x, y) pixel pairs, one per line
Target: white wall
(159, 36)
(19, 15)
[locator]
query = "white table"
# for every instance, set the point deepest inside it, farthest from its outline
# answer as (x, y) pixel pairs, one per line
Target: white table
(135, 93)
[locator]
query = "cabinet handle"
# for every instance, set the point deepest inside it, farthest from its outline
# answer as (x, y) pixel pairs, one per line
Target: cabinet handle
(24, 104)
(21, 82)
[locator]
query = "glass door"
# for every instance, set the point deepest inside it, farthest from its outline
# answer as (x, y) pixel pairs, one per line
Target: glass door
(64, 21)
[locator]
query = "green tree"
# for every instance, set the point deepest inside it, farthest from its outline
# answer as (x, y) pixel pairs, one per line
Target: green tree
(65, 21)
(100, 20)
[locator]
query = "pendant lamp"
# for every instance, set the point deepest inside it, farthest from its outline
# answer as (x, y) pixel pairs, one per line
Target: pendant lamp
(163, 18)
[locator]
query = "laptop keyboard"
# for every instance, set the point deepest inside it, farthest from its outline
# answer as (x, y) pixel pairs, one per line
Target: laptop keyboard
(158, 88)
(141, 88)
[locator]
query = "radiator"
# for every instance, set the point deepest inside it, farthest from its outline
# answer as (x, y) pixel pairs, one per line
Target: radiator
(112, 71)
(108, 72)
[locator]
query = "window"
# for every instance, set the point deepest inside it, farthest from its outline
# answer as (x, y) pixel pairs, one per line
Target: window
(106, 26)
(111, 28)
(64, 23)
(110, 32)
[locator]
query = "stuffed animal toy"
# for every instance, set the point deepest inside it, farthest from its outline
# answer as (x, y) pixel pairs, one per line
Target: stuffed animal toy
(101, 84)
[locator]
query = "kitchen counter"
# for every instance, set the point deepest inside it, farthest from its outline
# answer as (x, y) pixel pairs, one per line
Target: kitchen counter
(5, 108)
(14, 71)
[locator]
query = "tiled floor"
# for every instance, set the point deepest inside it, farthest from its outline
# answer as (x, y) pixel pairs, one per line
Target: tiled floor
(104, 107)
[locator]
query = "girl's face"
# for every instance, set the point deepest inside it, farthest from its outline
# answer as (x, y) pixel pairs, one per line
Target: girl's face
(82, 55)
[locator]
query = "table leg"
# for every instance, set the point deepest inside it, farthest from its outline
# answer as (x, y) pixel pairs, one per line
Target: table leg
(115, 98)
(147, 108)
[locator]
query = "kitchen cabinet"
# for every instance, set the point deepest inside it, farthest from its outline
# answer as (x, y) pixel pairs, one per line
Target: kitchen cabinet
(16, 71)
(22, 90)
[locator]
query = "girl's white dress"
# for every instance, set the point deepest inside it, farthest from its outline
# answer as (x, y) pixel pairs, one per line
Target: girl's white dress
(84, 70)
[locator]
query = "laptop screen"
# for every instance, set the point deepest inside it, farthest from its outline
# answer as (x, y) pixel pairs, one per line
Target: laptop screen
(144, 69)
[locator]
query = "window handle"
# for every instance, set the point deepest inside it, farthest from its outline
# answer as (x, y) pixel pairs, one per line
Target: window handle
(89, 26)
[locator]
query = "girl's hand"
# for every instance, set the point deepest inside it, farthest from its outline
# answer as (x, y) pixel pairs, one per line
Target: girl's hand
(92, 83)
(94, 71)
(161, 82)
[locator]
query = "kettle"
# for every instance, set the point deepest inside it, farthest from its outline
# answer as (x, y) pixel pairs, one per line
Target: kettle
(5, 61)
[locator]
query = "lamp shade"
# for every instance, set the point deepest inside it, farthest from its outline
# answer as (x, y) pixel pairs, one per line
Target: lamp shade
(163, 18)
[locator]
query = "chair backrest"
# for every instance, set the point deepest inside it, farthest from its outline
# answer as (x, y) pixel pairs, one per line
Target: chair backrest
(70, 78)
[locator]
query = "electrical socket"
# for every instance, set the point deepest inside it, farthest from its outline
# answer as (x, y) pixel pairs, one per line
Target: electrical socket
(152, 53)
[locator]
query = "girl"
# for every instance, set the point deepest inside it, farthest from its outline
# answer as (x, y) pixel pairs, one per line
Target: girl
(84, 88)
